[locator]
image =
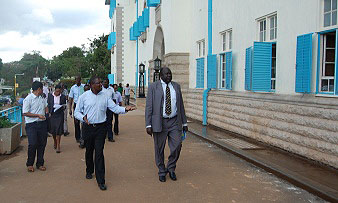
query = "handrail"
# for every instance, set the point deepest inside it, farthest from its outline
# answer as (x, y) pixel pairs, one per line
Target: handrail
(14, 114)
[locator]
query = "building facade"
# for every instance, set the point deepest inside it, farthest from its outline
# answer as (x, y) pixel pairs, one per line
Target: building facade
(264, 69)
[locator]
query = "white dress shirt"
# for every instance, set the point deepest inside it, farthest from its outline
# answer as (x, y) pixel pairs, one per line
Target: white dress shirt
(117, 97)
(35, 105)
(76, 91)
(95, 107)
(173, 100)
(108, 91)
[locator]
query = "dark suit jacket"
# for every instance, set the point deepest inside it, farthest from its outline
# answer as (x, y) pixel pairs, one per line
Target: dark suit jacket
(50, 102)
(154, 106)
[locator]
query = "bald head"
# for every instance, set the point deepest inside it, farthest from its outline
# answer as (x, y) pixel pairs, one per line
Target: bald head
(165, 74)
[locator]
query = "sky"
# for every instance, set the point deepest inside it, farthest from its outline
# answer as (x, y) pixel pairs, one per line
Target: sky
(49, 26)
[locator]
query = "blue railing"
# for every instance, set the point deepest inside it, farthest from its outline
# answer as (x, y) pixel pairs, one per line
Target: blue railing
(14, 114)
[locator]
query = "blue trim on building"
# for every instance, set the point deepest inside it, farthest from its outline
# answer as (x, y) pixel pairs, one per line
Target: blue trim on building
(318, 64)
(212, 71)
(153, 3)
(205, 106)
(336, 67)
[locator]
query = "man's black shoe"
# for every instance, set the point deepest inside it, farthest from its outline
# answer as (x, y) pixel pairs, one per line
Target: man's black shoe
(66, 133)
(81, 146)
(89, 176)
(102, 186)
(162, 178)
(111, 140)
(172, 176)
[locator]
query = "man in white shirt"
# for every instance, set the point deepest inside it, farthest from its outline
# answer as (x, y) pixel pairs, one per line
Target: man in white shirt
(34, 109)
(109, 91)
(117, 98)
(91, 109)
(74, 94)
(45, 90)
(127, 94)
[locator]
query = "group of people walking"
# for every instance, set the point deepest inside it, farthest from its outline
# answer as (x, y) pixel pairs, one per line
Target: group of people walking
(94, 106)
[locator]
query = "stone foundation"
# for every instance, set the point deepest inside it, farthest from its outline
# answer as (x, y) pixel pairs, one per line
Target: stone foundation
(304, 125)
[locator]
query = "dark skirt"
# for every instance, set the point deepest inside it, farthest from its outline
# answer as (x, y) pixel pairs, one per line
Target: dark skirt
(56, 123)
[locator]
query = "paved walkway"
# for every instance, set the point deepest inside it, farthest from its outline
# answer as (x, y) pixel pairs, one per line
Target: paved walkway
(205, 174)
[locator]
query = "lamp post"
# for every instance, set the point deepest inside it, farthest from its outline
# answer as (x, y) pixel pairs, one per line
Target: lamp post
(141, 93)
(16, 84)
(157, 69)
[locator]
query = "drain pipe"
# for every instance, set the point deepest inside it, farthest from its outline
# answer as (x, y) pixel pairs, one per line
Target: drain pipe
(136, 74)
(205, 93)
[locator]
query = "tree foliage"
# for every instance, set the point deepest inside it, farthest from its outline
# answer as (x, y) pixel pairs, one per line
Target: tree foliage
(84, 61)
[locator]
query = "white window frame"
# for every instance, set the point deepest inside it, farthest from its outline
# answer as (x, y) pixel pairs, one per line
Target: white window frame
(331, 11)
(226, 40)
(222, 71)
(268, 28)
(322, 68)
(201, 48)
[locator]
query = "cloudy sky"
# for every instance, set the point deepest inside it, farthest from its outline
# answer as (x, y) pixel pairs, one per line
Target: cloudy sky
(49, 26)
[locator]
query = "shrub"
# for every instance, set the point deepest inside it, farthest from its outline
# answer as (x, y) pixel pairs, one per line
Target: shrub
(5, 123)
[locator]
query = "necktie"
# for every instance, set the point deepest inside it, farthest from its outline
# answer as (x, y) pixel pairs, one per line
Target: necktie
(167, 101)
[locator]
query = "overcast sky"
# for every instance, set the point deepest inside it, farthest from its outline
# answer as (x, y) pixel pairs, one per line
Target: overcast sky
(49, 26)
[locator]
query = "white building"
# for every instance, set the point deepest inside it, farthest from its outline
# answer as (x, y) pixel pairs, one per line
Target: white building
(267, 68)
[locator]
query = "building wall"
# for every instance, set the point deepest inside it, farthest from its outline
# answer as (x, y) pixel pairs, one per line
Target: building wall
(305, 124)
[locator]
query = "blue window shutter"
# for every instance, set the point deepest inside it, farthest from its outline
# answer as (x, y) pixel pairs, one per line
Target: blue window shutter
(153, 3)
(336, 67)
(140, 24)
(135, 28)
(111, 78)
(200, 73)
(261, 69)
(228, 70)
(304, 63)
(113, 38)
(212, 71)
(248, 68)
(146, 17)
(112, 8)
(109, 46)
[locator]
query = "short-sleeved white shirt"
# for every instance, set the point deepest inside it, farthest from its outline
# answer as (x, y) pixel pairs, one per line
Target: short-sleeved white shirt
(35, 105)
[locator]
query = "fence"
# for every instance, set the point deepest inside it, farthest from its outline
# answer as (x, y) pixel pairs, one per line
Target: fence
(14, 114)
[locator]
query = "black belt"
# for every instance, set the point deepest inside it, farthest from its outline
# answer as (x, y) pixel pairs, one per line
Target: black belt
(95, 124)
(169, 117)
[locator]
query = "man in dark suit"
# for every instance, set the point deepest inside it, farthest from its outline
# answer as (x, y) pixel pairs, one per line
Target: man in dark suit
(165, 118)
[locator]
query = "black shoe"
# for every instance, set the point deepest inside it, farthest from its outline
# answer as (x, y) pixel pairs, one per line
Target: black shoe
(172, 176)
(66, 133)
(81, 146)
(102, 186)
(89, 176)
(162, 178)
(111, 140)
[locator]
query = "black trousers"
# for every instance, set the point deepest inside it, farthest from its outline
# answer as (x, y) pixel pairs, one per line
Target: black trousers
(77, 126)
(109, 114)
(94, 138)
(37, 140)
(116, 123)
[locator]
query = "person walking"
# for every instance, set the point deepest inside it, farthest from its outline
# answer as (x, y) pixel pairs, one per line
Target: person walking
(91, 109)
(82, 145)
(65, 124)
(75, 91)
(127, 94)
(56, 106)
(35, 109)
(120, 88)
(165, 119)
(117, 98)
(109, 91)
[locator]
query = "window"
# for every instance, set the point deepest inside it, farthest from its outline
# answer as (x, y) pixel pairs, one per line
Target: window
(262, 31)
(201, 48)
(273, 67)
(273, 27)
(225, 81)
(330, 13)
(226, 40)
(267, 28)
(327, 73)
(223, 68)
(260, 67)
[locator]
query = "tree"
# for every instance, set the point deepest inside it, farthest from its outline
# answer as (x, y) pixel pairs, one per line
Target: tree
(1, 64)
(99, 57)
